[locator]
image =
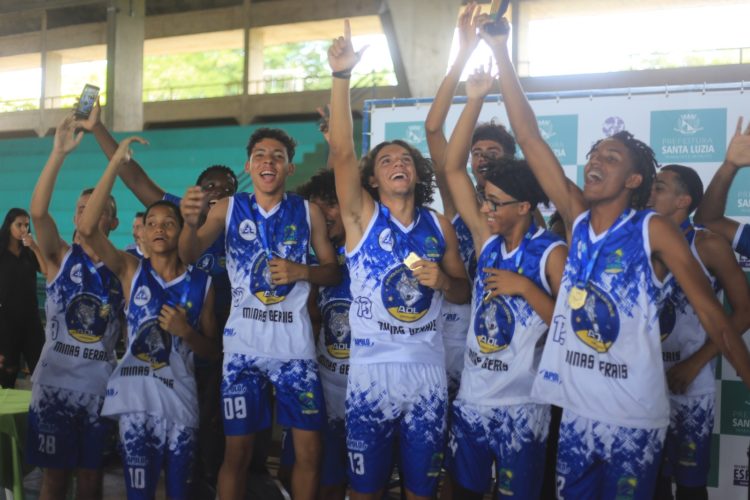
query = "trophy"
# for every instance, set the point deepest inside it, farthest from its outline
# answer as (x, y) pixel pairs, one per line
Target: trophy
(497, 11)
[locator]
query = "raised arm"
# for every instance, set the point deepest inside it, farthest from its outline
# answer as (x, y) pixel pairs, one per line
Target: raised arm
(710, 213)
(459, 184)
(120, 263)
(567, 198)
(669, 246)
(131, 173)
(356, 204)
(436, 141)
(718, 257)
(194, 237)
(51, 245)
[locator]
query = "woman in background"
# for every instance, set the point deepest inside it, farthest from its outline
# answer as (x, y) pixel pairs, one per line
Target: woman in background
(21, 330)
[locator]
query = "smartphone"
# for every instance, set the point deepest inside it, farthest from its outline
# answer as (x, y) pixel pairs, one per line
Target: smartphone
(86, 101)
(498, 8)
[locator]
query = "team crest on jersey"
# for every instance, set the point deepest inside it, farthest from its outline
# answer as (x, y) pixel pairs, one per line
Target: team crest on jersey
(307, 402)
(667, 318)
(494, 325)
(403, 296)
(206, 262)
(431, 247)
(76, 274)
(290, 235)
(613, 264)
(504, 482)
(261, 286)
(85, 318)
(385, 239)
(142, 296)
(626, 487)
(152, 344)
(247, 230)
(597, 323)
(336, 328)
(237, 295)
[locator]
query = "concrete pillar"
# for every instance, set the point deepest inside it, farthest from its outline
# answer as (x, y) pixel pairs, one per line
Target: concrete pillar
(419, 35)
(125, 35)
(255, 62)
(52, 79)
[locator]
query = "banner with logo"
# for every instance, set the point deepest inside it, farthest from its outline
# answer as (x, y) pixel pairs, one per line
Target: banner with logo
(689, 125)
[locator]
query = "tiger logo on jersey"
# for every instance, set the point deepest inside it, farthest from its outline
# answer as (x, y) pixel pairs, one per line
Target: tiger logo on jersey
(152, 344)
(597, 323)
(403, 296)
(261, 285)
(86, 318)
(494, 325)
(667, 318)
(336, 328)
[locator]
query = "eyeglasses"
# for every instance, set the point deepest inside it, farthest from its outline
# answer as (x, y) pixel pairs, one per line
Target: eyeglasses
(494, 205)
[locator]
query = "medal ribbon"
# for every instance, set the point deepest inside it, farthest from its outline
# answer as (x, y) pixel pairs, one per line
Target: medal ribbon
(266, 239)
(589, 260)
(185, 290)
(401, 241)
(516, 258)
(690, 235)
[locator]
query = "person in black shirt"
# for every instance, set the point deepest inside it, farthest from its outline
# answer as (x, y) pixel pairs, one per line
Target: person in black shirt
(21, 330)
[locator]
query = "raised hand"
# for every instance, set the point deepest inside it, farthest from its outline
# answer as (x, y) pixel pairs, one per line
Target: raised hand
(93, 119)
(493, 40)
(738, 151)
(479, 83)
(468, 38)
(124, 154)
(66, 138)
(341, 54)
(192, 205)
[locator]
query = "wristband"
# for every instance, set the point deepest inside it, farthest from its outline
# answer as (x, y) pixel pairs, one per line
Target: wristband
(343, 74)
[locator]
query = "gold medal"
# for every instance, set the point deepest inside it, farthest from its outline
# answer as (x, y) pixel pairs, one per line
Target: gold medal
(104, 310)
(577, 297)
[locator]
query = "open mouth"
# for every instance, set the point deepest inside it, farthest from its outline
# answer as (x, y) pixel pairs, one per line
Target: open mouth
(268, 174)
(594, 176)
(398, 176)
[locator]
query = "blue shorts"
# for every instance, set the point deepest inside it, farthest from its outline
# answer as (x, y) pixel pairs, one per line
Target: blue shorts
(513, 437)
(148, 442)
(333, 462)
(600, 460)
(246, 397)
(687, 449)
(65, 429)
(395, 400)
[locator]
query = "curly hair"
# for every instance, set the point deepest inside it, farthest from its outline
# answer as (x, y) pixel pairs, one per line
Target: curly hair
(425, 188)
(222, 169)
(644, 163)
(495, 132)
(321, 185)
(272, 133)
(516, 178)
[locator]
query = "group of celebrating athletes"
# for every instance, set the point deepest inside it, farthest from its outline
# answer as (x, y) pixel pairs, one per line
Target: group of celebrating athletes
(383, 325)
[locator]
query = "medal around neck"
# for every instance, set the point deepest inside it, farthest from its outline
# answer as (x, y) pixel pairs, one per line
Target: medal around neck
(577, 297)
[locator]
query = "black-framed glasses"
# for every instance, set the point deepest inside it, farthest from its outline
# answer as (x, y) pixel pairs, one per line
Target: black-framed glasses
(494, 205)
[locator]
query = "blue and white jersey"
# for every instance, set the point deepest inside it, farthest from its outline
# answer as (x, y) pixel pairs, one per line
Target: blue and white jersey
(393, 318)
(84, 306)
(134, 250)
(213, 260)
(741, 241)
(334, 339)
(681, 331)
(156, 373)
(604, 358)
(504, 346)
(456, 316)
(266, 320)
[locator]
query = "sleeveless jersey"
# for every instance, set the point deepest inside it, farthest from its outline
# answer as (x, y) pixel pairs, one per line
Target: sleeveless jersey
(266, 320)
(393, 318)
(504, 344)
(682, 334)
(84, 306)
(604, 359)
(334, 339)
(741, 241)
(156, 373)
(456, 316)
(133, 250)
